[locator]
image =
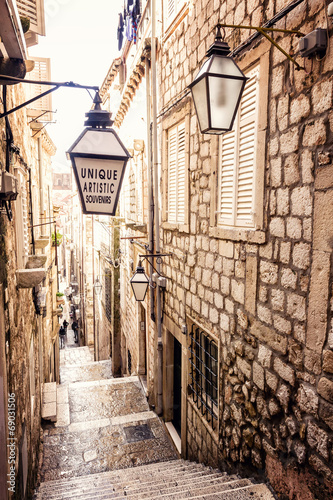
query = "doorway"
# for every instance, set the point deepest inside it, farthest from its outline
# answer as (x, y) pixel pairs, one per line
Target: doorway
(177, 386)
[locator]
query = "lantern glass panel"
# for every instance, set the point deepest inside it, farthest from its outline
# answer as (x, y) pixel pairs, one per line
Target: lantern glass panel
(99, 182)
(224, 66)
(99, 142)
(223, 98)
(139, 284)
(203, 69)
(199, 92)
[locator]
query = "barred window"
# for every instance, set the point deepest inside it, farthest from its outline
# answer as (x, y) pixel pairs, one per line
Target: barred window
(107, 288)
(204, 374)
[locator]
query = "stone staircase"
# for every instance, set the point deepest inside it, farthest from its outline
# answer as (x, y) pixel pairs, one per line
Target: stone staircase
(106, 443)
(170, 480)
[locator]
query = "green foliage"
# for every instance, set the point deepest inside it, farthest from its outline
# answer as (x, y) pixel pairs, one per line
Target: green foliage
(59, 238)
(25, 21)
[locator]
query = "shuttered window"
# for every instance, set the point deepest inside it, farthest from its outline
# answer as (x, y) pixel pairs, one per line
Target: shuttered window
(237, 161)
(41, 72)
(21, 220)
(33, 10)
(176, 173)
(172, 7)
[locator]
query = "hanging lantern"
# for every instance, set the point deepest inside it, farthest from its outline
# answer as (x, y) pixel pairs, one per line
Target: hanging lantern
(99, 160)
(140, 283)
(217, 89)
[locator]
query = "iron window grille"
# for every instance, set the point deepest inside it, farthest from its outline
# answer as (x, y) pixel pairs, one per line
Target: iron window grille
(204, 374)
(129, 362)
(107, 288)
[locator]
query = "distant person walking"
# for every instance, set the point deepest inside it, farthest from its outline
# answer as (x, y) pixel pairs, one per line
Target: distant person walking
(62, 333)
(75, 328)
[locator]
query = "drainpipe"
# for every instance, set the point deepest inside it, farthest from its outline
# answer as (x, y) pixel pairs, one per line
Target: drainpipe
(150, 185)
(159, 406)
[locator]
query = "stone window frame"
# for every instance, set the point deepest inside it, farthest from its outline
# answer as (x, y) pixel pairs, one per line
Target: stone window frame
(170, 24)
(183, 114)
(257, 234)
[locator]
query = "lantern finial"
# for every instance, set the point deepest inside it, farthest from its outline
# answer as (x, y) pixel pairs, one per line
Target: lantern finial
(98, 117)
(219, 47)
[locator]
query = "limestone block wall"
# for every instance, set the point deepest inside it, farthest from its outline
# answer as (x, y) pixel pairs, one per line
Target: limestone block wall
(21, 329)
(264, 294)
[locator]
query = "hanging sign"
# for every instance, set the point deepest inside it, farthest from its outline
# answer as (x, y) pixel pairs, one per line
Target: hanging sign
(99, 160)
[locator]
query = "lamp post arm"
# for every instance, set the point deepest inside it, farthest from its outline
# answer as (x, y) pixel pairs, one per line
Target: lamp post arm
(12, 79)
(262, 30)
(2, 115)
(156, 255)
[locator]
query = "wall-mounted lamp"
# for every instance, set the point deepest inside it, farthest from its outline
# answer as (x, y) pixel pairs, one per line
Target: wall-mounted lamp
(140, 280)
(217, 89)
(139, 283)
(98, 286)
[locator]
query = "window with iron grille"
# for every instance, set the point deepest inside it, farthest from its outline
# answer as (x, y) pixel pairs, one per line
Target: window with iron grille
(129, 362)
(107, 288)
(204, 374)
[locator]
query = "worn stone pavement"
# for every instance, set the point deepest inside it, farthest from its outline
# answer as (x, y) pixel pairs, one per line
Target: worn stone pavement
(102, 423)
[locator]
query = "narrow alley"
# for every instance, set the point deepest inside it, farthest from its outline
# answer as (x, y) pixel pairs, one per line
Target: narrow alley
(106, 443)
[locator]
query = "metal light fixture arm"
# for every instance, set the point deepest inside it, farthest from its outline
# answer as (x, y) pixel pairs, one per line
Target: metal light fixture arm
(158, 257)
(263, 31)
(12, 80)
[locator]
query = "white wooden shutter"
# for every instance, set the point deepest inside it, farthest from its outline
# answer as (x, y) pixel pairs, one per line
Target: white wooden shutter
(181, 174)
(41, 72)
(237, 161)
(176, 174)
(171, 8)
(21, 220)
(172, 175)
(246, 151)
(227, 178)
(33, 10)
(139, 189)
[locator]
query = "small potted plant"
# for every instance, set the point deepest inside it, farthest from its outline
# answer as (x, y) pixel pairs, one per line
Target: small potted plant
(60, 298)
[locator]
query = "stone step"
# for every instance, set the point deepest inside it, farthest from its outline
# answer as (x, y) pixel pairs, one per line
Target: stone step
(175, 479)
(131, 476)
(248, 492)
(123, 486)
(203, 487)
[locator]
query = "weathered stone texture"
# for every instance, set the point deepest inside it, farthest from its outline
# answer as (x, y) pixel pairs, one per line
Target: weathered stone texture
(266, 300)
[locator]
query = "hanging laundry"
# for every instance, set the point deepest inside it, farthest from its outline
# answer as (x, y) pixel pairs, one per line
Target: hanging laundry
(135, 30)
(137, 9)
(120, 31)
(129, 4)
(129, 28)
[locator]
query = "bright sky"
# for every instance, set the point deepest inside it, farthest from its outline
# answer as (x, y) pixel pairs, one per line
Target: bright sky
(81, 40)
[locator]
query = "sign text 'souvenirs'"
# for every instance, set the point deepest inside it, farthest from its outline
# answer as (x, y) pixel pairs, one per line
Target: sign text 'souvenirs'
(98, 181)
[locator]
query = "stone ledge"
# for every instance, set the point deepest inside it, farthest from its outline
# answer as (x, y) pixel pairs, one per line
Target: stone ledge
(49, 402)
(29, 278)
(42, 242)
(36, 261)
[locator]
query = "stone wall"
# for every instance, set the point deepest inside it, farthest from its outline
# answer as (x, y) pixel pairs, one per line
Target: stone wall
(22, 334)
(264, 294)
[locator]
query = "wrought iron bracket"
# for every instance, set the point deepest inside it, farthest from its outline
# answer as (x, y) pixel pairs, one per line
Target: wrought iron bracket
(12, 80)
(157, 256)
(263, 31)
